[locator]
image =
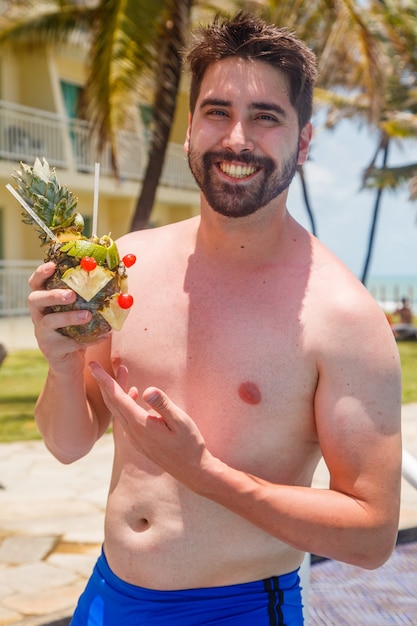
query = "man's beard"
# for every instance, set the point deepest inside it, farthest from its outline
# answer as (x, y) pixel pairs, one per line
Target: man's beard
(233, 199)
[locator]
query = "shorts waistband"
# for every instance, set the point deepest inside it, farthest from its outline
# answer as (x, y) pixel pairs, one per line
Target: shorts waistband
(285, 582)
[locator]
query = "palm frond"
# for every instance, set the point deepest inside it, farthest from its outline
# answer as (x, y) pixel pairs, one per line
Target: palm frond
(399, 18)
(122, 63)
(400, 125)
(32, 23)
(340, 106)
(390, 178)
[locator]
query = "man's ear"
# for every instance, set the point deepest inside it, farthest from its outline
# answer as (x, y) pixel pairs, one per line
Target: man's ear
(187, 136)
(304, 143)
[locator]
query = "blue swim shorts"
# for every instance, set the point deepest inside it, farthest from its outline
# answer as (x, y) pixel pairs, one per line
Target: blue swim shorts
(109, 601)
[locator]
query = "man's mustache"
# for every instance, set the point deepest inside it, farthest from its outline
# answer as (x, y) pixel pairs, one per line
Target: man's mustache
(227, 157)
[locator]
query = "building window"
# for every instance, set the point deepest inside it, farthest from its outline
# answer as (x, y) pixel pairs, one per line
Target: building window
(71, 94)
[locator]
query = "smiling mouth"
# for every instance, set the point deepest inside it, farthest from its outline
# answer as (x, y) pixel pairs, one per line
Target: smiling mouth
(237, 171)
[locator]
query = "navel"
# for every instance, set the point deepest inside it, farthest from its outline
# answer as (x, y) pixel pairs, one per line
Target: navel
(249, 393)
(141, 524)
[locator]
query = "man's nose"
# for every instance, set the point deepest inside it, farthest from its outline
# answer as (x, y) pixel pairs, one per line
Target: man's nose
(237, 138)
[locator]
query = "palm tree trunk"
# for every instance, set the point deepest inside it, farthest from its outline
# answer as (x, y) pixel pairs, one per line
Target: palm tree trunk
(377, 206)
(164, 109)
(306, 197)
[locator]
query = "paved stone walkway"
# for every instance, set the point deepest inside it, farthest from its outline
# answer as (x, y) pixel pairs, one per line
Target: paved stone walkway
(51, 529)
(51, 525)
(344, 595)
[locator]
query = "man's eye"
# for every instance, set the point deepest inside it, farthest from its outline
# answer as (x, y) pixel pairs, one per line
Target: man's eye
(217, 112)
(267, 117)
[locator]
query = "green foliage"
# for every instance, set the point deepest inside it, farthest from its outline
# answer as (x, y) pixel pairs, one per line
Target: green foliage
(408, 355)
(52, 202)
(22, 375)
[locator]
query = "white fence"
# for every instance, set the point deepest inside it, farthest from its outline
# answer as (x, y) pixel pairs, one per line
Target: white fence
(26, 133)
(14, 287)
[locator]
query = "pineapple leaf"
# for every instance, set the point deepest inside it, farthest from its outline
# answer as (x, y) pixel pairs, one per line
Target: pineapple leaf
(54, 203)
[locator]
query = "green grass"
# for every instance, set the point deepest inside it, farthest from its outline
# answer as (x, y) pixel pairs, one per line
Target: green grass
(21, 378)
(23, 373)
(408, 355)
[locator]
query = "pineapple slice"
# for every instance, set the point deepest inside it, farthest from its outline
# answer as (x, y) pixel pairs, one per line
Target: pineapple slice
(97, 282)
(87, 284)
(114, 314)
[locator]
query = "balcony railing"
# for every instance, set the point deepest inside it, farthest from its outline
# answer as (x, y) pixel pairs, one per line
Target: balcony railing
(14, 288)
(26, 133)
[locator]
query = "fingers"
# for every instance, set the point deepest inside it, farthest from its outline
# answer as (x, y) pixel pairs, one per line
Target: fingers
(40, 275)
(41, 302)
(41, 306)
(114, 390)
(163, 405)
(122, 374)
(118, 401)
(41, 299)
(156, 398)
(169, 438)
(55, 347)
(111, 389)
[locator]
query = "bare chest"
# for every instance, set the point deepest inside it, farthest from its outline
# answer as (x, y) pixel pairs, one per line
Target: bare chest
(233, 357)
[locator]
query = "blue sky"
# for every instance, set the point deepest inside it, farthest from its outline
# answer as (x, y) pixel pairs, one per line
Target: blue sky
(343, 212)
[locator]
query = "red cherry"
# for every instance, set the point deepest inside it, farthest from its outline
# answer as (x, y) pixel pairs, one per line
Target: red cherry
(88, 263)
(125, 300)
(129, 260)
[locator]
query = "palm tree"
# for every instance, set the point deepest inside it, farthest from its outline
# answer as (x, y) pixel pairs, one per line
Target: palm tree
(338, 32)
(393, 126)
(398, 118)
(400, 121)
(131, 44)
(367, 71)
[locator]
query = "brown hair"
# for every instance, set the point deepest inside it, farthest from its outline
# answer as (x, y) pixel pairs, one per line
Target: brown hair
(248, 37)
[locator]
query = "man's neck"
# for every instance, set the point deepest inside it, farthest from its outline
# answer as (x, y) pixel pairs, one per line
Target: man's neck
(254, 239)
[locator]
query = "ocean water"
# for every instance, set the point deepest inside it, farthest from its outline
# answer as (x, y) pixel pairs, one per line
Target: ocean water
(388, 290)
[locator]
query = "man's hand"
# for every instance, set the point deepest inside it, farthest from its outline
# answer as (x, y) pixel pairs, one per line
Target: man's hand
(70, 412)
(60, 351)
(169, 438)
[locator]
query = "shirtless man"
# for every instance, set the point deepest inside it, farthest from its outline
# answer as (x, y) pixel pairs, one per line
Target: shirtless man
(251, 352)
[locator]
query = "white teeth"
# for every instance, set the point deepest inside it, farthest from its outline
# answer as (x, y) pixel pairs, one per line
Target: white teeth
(237, 171)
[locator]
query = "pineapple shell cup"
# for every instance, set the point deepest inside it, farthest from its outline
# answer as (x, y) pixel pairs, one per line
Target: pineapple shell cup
(98, 289)
(89, 266)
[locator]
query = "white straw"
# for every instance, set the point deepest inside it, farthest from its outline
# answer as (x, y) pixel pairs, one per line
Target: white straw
(95, 205)
(32, 213)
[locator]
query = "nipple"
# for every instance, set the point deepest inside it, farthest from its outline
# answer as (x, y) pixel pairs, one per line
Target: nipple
(249, 393)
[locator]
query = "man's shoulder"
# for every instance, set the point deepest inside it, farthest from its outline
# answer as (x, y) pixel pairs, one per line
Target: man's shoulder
(331, 273)
(339, 299)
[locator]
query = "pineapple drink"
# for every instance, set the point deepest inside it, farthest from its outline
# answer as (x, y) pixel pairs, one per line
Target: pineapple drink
(89, 266)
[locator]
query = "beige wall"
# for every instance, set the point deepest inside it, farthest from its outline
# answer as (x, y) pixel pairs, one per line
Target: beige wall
(9, 76)
(179, 127)
(35, 88)
(70, 63)
(21, 241)
(170, 213)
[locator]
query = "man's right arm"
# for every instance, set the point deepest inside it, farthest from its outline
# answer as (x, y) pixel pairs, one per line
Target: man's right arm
(70, 413)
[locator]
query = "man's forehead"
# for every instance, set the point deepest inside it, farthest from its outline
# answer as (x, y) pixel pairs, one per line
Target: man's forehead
(233, 78)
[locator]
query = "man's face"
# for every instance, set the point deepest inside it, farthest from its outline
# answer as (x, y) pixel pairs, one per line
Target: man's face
(243, 141)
